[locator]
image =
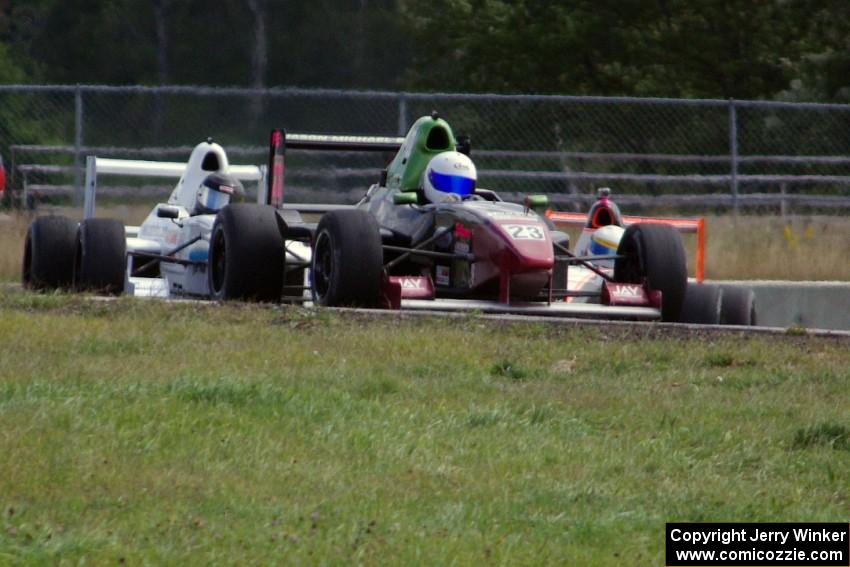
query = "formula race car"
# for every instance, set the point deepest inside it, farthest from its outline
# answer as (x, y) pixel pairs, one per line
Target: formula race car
(423, 237)
(168, 254)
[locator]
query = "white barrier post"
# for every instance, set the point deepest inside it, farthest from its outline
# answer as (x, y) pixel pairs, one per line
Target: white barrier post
(91, 186)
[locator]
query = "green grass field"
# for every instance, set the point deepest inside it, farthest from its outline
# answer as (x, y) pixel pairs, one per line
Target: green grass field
(193, 434)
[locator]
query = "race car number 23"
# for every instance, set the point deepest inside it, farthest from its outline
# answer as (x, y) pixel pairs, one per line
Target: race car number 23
(524, 231)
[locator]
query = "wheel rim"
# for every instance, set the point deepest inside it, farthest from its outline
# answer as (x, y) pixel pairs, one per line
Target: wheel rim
(218, 266)
(322, 266)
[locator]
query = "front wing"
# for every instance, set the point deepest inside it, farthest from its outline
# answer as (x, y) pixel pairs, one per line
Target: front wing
(555, 309)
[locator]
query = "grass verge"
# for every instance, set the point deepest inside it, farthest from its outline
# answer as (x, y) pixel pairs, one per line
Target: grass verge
(145, 432)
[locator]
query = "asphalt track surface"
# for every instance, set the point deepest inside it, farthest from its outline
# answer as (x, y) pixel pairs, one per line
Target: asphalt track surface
(649, 329)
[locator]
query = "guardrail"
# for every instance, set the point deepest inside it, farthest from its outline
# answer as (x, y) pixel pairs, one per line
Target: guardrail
(781, 199)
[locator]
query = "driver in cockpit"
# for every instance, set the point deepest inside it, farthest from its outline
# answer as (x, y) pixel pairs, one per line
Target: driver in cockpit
(449, 176)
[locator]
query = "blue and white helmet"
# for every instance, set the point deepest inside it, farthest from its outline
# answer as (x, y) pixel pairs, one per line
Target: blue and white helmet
(449, 176)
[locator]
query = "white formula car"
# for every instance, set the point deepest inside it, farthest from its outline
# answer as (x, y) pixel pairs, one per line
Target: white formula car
(169, 254)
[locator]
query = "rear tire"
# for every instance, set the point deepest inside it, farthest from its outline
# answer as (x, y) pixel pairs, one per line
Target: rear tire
(48, 261)
(738, 306)
(347, 265)
(247, 254)
(655, 256)
(100, 257)
(702, 304)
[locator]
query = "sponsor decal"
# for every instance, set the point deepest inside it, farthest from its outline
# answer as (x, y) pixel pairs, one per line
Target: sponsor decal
(462, 247)
(505, 215)
(442, 273)
(624, 294)
(525, 231)
(344, 138)
(408, 287)
(411, 283)
(626, 291)
(461, 231)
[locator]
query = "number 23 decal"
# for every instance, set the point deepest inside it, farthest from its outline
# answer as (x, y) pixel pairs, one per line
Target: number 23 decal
(524, 231)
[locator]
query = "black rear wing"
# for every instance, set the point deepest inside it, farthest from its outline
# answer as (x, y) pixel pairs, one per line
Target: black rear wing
(280, 141)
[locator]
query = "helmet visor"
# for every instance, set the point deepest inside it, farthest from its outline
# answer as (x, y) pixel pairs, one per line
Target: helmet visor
(447, 183)
(212, 199)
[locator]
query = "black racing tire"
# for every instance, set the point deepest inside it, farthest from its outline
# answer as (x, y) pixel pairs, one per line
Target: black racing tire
(247, 254)
(347, 266)
(48, 261)
(702, 304)
(654, 254)
(100, 257)
(738, 306)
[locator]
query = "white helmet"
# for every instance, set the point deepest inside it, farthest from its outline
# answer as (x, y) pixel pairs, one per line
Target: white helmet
(449, 176)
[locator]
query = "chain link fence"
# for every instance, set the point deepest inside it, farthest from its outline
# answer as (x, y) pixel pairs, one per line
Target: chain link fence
(656, 154)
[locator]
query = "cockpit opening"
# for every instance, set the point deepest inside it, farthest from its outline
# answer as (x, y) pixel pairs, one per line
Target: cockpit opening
(211, 162)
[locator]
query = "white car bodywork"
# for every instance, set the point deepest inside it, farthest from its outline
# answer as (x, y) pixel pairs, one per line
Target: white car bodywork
(182, 235)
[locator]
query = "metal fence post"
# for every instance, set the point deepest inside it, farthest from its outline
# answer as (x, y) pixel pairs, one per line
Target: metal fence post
(733, 153)
(78, 145)
(402, 114)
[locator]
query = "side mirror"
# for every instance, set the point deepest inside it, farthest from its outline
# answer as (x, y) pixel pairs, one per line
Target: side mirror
(538, 203)
(406, 198)
(168, 212)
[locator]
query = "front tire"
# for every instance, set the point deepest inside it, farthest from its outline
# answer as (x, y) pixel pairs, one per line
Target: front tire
(655, 256)
(247, 254)
(347, 265)
(49, 248)
(100, 258)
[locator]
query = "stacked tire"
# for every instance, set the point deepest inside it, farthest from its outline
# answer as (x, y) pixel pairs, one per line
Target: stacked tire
(49, 249)
(709, 304)
(62, 254)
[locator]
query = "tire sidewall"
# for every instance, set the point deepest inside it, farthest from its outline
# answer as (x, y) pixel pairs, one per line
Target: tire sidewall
(655, 256)
(254, 254)
(100, 258)
(325, 239)
(352, 240)
(48, 261)
(217, 282)
(738, 307)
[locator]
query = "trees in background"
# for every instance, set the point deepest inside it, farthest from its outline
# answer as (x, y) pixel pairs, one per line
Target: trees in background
(680, 48)
(789, 49)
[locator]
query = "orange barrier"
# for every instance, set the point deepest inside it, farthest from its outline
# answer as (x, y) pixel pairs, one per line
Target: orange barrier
(696, 226)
